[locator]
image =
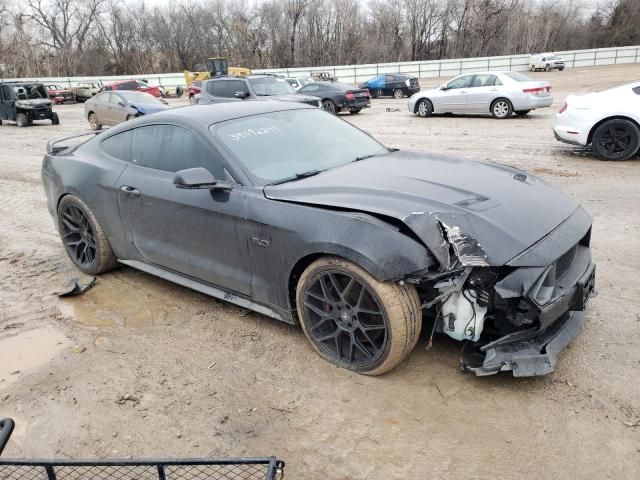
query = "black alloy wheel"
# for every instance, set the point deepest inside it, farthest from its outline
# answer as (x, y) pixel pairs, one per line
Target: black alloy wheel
(617, 139)
(78, 236)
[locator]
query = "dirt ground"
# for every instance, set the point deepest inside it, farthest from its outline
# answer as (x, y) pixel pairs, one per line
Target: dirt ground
(141, 367)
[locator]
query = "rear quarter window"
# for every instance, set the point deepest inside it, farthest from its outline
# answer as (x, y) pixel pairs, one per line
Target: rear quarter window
(118, 146)
(519, 77)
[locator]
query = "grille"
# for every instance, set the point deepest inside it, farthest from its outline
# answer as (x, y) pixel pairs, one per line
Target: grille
(563, 264)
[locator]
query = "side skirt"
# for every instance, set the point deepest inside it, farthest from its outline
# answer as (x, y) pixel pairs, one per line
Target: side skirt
(216, 292)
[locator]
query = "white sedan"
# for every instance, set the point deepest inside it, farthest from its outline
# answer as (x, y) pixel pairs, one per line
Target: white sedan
(608, 120)
(497, 93)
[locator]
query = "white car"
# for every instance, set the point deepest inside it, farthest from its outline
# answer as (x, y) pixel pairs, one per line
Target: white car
(497, 93)
(546, 61)
(608, 120)
(298, 82)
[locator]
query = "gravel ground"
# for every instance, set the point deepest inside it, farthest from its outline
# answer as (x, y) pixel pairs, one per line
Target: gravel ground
(141, 367)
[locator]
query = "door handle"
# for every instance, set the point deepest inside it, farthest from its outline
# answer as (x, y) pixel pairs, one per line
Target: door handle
(131, 191)
(463, 91)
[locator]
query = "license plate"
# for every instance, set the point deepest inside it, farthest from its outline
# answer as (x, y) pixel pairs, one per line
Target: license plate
(586, 288)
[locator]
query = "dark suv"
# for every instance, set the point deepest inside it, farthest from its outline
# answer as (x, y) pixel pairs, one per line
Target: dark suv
(25, 102)
(252, 87)
(397, 85)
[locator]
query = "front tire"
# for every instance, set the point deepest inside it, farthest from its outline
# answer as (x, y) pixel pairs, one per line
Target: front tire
(547, 68)
(616, 139)
(192, 99)
(329, 106)
(83, 238)
(22, 120)
(55, 120)
(501, 108)
(398, 93)
(424, 108)
(355, 321)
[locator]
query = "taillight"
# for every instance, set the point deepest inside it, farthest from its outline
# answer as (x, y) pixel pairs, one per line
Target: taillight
(534, 90)
(349, 96)
(564, 107)
(367, 93)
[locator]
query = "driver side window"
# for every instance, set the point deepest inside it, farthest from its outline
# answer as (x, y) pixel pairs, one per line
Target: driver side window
(171, 148)
(460, 82)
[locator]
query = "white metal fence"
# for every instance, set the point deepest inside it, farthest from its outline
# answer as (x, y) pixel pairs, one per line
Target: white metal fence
(423, 69)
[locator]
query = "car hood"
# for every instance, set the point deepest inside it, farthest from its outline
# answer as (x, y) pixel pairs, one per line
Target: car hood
(149, 109)
(486, 214)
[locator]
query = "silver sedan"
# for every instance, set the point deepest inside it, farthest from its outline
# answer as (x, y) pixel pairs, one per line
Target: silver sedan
(111, 108)
(496, 93)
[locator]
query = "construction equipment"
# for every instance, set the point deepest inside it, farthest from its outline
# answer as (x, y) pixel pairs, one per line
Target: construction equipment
(214, 67)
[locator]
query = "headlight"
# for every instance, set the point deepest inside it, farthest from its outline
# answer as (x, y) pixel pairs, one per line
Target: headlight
(407, 82)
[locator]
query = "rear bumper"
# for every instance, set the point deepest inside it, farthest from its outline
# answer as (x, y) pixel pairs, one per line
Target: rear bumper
(531, 102)
(535, 353)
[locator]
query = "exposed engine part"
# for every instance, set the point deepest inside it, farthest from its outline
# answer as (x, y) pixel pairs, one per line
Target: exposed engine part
(463, 316)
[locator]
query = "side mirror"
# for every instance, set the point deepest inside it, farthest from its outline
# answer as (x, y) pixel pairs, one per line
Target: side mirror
(198, 178)
(444, 87)
(241, 95)
(122, 104)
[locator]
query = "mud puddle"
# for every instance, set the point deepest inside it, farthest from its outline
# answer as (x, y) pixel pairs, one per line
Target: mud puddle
(27, 351)
(129, 300)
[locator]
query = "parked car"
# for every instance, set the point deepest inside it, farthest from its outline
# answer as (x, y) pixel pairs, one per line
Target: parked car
(497, 93)
(338, 97)
(609, 121)
(298, 82)
(398, 85)
(136, 85)
(60, 94)
(23, 103)
(111, 108)
(252, 87)
(84, 91)
(546, 61)
(294, 213)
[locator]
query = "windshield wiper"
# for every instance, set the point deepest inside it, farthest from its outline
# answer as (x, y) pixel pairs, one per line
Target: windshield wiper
(364, 157)
(297, 176)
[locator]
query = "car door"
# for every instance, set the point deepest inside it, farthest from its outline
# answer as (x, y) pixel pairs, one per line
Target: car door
(119, 108)
(190, 231)
(483, 90)
(104, 108)
(453, 98)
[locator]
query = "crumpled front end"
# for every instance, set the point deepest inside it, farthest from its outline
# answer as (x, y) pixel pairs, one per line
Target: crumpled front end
(518, 316)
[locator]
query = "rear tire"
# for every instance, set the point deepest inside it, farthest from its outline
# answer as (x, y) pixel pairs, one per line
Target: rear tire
(93, 122)
(398, 93)
(616, 139)
(547, 68)
(22, 120)
(83, 238)
(355, 321)
(522, 113)
(424, 108)
(501, 108)
(329, 106)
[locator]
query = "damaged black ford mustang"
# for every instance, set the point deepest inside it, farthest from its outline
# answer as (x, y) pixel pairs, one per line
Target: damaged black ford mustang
(296, 214)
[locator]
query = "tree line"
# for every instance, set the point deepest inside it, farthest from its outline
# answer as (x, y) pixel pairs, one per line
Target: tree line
(119, 37)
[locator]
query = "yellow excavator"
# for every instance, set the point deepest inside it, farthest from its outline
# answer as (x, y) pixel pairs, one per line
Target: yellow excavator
(215, 67)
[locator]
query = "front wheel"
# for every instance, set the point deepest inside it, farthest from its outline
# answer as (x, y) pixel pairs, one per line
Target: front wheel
(55, 120)
(547, 68)
(398, 93)
(22, 120)
(424, 108)
(192, 99)
(522, 112)
(83, 238)
(355, 321)
(329, 106)
(93, 122)
(617, 139)
(501, 108)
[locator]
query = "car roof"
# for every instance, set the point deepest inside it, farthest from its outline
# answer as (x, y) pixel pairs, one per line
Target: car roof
(205, 115)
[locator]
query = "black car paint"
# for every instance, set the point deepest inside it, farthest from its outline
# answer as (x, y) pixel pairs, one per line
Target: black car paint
(401, 216)
(336, 92)
(392, 82)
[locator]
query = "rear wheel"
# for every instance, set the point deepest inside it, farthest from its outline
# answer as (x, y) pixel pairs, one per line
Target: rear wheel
(501, 108)
(424, 108)
(329, 106)
(83, 238)
(547, 68)
(22, 120)
(93, 122)
(398, 93)
(355, 321)
(55, 120)
(522, 112)
(617, 139)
